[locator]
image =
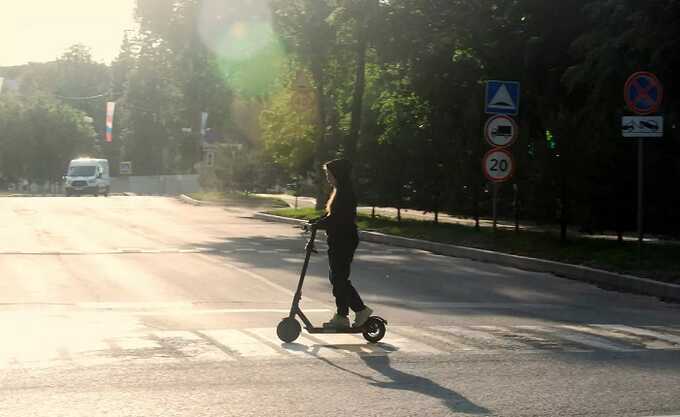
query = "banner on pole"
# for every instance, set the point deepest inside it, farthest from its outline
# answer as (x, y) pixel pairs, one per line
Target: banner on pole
(110, 109)
(204, 122)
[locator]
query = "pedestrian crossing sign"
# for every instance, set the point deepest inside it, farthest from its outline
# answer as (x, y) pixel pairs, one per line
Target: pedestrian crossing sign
(502, 97)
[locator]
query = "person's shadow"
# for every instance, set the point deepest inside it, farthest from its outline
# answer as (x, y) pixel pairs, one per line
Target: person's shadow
(402, 381)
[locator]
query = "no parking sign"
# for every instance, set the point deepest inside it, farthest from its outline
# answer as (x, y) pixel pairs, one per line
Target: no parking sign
(643, 93)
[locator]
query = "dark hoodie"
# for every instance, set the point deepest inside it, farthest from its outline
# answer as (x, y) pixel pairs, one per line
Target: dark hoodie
(340, 222)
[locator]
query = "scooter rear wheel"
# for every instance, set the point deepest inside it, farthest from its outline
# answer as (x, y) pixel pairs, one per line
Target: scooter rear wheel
(288, 330)
(374, 330)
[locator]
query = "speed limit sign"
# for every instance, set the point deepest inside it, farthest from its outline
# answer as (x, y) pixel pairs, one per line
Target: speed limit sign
(498, 165)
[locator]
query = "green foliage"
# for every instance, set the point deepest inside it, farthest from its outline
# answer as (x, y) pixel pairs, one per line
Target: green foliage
(426, 63)
(39, 136)
(288, 133)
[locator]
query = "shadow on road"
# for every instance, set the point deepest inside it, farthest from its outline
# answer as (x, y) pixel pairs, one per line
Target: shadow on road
(399, 380)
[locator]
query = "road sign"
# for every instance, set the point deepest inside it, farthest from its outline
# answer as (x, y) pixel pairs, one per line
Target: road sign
(125, 168)
(643, 93)
(642, 126)
(502, 97)
(498, 165)
(501, 131)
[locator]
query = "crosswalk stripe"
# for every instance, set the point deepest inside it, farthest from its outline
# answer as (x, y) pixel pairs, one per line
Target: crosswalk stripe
(350, 343)
(95, 345)
(192, 346)
(666, 329)
(318, 348)
(452, 345)
(527, 335)
(625, 337)
(404, 344)
(241, 344)
(642, 332)
(268, 337)
(575, 335)
(134, 344)
(483, 340)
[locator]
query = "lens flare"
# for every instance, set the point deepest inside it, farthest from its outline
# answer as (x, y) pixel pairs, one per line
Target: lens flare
(241, 37)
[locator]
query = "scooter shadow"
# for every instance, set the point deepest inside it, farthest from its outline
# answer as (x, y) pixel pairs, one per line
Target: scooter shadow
(359, 349)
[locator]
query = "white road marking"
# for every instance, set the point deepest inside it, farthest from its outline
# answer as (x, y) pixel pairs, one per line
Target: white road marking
(99, 339)
(136, 343)
(241, 343)
(192, 346)
(268, 337)
(642, 332)
(625, 337)
(530, 339)
(404, 344)
(483, 339)
(425, 334)
(588, 340)
(349, 343)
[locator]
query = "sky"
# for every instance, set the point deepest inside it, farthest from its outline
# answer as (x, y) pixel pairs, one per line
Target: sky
(41, 30)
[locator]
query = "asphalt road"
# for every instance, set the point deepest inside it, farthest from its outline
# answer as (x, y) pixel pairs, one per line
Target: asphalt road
(144, 306)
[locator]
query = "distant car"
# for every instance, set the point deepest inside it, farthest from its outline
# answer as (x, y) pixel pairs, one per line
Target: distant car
(88, 176)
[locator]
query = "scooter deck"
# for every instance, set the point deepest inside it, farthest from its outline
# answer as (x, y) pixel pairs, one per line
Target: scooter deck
(340, 330)
(333, 330)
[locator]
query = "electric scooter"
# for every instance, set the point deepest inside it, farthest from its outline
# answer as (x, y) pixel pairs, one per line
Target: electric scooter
(289, 328)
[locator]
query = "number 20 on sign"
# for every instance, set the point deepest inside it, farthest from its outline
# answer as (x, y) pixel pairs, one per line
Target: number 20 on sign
(498, 165)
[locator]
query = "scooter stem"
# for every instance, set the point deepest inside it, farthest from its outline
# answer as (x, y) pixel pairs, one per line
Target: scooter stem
(308, 253)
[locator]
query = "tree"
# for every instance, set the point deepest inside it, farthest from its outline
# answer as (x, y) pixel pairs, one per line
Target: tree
(38, 137)
(304, 28)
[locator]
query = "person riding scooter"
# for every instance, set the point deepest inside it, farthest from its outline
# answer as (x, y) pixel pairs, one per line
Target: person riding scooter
(343, 239)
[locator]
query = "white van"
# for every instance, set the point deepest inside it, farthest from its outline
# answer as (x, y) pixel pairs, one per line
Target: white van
(88, 176)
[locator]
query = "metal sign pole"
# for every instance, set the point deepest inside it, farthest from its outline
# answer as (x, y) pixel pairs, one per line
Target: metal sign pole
(495, 205)
(640, 219)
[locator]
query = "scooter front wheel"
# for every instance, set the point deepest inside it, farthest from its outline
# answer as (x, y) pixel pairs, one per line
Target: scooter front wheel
(288, 330)
(374, 329)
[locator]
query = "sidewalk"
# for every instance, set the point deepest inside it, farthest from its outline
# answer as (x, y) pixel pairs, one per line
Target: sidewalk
(308, 202)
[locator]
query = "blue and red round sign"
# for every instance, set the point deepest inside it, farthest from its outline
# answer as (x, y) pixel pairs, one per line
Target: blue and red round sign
(643, 93)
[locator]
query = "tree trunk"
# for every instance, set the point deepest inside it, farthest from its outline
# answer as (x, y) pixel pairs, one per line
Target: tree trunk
(320, 146)
(358, 96)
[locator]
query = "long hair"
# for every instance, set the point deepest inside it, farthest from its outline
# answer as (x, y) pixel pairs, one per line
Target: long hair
(330, 201)
(341, 170)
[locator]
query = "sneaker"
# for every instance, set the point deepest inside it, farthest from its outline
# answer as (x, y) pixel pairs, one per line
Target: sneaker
(362, 316)
(337, 322)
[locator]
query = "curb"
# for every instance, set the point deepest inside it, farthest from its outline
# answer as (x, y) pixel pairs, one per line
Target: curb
(188, 200)
(604, 279)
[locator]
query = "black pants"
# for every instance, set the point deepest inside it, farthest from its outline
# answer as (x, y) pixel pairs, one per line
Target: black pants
(340, 257)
